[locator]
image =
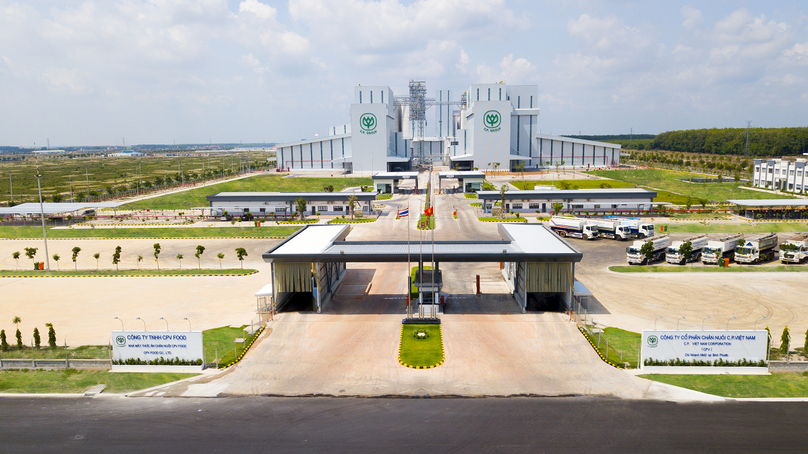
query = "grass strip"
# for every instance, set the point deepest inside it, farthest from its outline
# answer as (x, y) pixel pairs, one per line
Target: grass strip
(708, 269)
(129, 273)
(499, 219)
(726, 227)
(151, 232)
(220, 341)
(72, 381)
(618, 341)
(421, 353)
(83, 352)
(351, 221)
(739, 386)
(384, 196)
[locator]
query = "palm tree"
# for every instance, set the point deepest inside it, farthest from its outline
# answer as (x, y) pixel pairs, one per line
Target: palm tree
(96, 256)
(351, 201)
(502, 190)
(199, 251)
(179, 257)
(76, 251)
(300, 204)
(220, 256)
(17, 321)
(16, 256)
(240, 254)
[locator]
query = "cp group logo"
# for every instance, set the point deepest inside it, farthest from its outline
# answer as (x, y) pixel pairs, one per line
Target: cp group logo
(367, 123)
(652, 341)
(492, 120)
(120, 340)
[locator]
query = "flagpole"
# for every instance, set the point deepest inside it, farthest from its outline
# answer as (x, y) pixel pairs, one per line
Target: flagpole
(434, 315)
(409, 269)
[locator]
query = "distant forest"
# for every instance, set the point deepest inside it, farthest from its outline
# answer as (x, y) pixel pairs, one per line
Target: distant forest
(727, 141)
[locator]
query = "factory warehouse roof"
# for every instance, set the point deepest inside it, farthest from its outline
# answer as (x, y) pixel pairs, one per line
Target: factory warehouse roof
(288, 196)
(395, 176)
(461, 174)
(56, 208)
(765, 203)
(520, 242)
(572, 194)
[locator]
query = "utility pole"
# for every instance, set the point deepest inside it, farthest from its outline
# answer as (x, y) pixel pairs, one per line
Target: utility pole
(87, 174)
(630, 137)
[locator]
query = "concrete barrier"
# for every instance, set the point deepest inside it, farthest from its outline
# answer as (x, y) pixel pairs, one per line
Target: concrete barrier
(6, 364)
(783, 367)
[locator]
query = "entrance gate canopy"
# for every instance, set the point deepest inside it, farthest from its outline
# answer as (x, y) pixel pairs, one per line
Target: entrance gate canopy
(520, 243)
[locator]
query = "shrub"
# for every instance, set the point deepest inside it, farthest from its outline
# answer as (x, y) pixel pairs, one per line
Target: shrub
(3, 340)
(37, 338)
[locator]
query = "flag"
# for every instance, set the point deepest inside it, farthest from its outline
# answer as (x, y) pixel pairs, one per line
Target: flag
(403, 212)
(429, 211)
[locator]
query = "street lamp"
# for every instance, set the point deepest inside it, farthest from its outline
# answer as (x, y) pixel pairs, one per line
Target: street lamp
(655, 320)
(163, 319)
(122, 328)
(144, 323)
(677, 322)
(733, 318)
(754, 327)
(702, 322)
(42, 218)
(189, 323)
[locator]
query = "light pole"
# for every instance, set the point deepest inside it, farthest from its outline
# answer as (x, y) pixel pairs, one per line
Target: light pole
(733, 318)
(144, 323)
(677, 322)
(702, 322)
(189, 323)
(163, 319)
(655, 320)
(116, 318)
(754, 327)
(42, 217)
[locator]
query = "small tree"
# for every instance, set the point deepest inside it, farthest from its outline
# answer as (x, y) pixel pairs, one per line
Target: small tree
(37, 339)
(180, 257)
(220, 256)
(686, 250)
(56, 258)
(240, 254)
(96, 256)
(805, 346)
(647, 250)
(156, 254)
(51, 335)
(300, 204)
(116, 257)
(351, 203)
(3, 340)
(139, 259)
(30, 252)
(785, 340)
(76, 251)
(703, 203)
(16, 256)
(557, 207)
(19, 339)
(329, 188)
(502, 190)
(689, 203)
(199, 251)
(768, 339)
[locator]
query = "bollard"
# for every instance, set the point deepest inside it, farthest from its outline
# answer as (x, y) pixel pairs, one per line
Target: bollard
(478, 285)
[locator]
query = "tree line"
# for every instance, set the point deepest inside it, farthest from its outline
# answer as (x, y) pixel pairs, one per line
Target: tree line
(732, 141)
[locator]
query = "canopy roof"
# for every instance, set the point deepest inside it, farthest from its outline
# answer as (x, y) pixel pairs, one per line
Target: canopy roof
(770, 202)
(56, 208)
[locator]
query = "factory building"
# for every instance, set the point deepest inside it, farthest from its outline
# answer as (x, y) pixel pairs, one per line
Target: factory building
(780, 174)
(487, 124)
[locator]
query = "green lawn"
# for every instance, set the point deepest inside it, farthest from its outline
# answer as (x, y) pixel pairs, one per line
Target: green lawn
(740, 386)
(129, 273)
(733, 268)
(421, 352)
(619, 341)
(667, 181)
(258, 183)
(351, 221)
(499, 219)
(74, 381)
(83, 352)
(571, 184)
(726, 227)
(220, 341)
(156, 232)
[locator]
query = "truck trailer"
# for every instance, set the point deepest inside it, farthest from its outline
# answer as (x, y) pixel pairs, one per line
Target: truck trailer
(720, 248)
(697, 243)
(637, 227)
(757, 248)
(634, 255)
(794, 249)
(574, 227)
(612, 229)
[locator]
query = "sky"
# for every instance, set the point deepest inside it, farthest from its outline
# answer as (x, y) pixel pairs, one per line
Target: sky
(101, 72)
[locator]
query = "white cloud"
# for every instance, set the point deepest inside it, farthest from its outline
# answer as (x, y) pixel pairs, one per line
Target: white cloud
(261, 10)
(693, 17)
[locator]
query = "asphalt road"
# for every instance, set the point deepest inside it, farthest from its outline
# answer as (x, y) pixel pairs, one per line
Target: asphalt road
(87, 425)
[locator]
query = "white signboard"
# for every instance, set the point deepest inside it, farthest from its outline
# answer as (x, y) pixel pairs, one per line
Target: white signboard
(152, 345)
(691, 346)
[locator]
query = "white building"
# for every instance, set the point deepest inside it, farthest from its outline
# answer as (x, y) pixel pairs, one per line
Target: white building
(595, 201)
(780, 174)
(489, 123)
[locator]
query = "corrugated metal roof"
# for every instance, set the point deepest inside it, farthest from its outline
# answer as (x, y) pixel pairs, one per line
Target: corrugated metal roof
(56, 208)
(770, 202)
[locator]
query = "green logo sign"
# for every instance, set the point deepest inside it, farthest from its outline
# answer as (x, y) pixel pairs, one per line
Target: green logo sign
(120, 340)
(652, 341)
(492, 120)
(368, 123)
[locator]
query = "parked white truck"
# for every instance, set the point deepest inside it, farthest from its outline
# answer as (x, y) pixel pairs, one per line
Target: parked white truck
(720, 248)
(623, 229)
(794, 249)
(634, 255)
(757, 248)
(574, 227)
(638, 228)
(697, 243)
